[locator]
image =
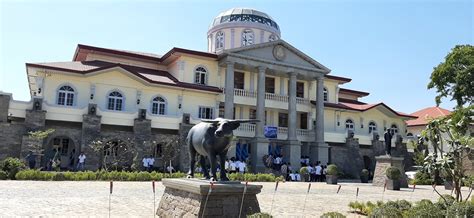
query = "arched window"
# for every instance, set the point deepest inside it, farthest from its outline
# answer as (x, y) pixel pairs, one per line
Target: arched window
(158, 105)
(115, 101)
(200, 76)
(66, 96)
(219, 40)
(349, 124)
(372, 127)
(325, 94)
(247, 37)
(410, 134)
(394, 129)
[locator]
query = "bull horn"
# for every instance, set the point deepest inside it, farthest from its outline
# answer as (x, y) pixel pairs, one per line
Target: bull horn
(210, 121)
(245, 121)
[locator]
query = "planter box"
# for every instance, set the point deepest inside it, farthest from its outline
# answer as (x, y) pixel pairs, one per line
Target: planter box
(330, 179)
(364, 179)
(393, 184)
(448, 185)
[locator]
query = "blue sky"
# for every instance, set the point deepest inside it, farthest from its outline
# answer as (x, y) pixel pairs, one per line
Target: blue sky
(388, 48)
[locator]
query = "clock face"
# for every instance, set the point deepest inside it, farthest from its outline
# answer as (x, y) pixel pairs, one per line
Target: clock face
(279, 52)
(272, 38)
(247, 37)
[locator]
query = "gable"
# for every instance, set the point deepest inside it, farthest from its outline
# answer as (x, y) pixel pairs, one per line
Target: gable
(269, 52)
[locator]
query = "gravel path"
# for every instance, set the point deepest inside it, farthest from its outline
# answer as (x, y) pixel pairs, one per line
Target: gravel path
(135, 199)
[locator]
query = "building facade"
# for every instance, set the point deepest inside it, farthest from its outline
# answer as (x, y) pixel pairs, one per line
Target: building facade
(248, 72)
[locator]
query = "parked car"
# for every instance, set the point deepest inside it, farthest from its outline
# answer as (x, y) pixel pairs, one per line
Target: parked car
(411, 172)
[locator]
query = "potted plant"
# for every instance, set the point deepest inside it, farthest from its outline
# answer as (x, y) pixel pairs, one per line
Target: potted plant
(364, 176)
(304, 174)
(331, 175)
(448, 181)
(393, 182)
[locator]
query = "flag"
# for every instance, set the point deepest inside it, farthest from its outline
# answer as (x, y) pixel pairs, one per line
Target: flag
(276, 186)
(111, 186)
(153, 185)
(338, 189)
(357, 193)
(309, 187)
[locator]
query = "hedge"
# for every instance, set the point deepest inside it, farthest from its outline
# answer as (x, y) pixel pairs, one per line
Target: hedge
(129, 176)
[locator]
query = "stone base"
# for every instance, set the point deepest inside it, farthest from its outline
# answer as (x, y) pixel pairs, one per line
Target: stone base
(187, 198)
(382, 163)
(259, 149)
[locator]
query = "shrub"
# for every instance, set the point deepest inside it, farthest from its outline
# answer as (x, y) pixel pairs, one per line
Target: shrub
(59, 177)
(460, 209)
(446, 202)
(386, 210)
(3, 175)
(425, 208)
(357, 206)
(332, 170)
(12, 166)
(403, 205)
(333, 215)
(364, 173)
(260, 215)
(393, 173)
(423, 178)
(304, 171)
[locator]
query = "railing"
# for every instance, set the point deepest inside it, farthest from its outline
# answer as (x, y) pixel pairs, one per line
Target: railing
(245, 93)
(246, 127)
(275, 97)
(282, 130)
(302, 100)
(303, 132)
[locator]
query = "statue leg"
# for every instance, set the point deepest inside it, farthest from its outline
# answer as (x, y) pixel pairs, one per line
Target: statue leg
(192, 157)
(222, 158)
(205, 172)
(213, 160)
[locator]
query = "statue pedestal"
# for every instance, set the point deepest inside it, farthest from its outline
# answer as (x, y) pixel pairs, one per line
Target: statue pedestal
(187, 198)
(382, 163)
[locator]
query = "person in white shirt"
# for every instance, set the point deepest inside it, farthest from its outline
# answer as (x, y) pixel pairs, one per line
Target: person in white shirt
(170, 169)
(318, 173)
(145, 162)
(151, 162)
(242, 167)
(82, 161)
(227, 166)
(237, 166)
(232, 165)
(310, 172)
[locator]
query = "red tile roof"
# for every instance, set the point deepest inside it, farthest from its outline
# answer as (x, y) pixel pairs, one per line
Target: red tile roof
(353, 92)
(424, 115)
(149, 75)
(363, 107)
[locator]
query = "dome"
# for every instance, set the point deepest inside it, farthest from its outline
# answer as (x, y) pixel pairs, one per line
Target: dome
(244, 15)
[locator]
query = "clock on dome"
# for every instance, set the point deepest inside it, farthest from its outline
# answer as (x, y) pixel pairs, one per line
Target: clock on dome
(247, 37)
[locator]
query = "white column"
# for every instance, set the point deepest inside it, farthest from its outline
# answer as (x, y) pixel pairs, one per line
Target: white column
(229, 91)
(292, 108)
(260, 102)
(320, 111)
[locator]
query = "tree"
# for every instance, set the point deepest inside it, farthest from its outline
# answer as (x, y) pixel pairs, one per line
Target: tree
(115, 154)
(455, 76)
(451, 130)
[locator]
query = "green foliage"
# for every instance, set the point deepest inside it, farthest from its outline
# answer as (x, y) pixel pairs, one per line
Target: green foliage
(304, 171)
(357, 206)
(460, 209)
(445, 201)
(393, 173)
(424, 208)
(468, 181)
(12, 166)
(453, 77)
(3, 175)
(332, 170)
(386, 210)
(59, 177)
(333, 215)
(260, 215)
(422, 178)
(364, 173)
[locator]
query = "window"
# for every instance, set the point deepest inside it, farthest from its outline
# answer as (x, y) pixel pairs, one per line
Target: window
(158, 151)
(304, 121)
(253, 114)
(111, 148)
(372, 127)
(299, 89)
(62, 144)
(272, 38)
(239, 80)
(349, 124)
(219, 40)
(221, 111)
(115, 101)
(158, 106)
(206, 112)
(200, 76)
(66, 96)
(247, 37)
(410, 134)
(282, 119)
(394, 129)
(325, 95)
(269, 85)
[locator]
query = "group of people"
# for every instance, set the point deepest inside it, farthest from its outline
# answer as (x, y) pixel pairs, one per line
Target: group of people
(52, 163)
(317, 172)
(148, 163)
(235, 166)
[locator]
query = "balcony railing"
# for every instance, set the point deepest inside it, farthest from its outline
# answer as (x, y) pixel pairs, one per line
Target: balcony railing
(268, 96)
(248, 130)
